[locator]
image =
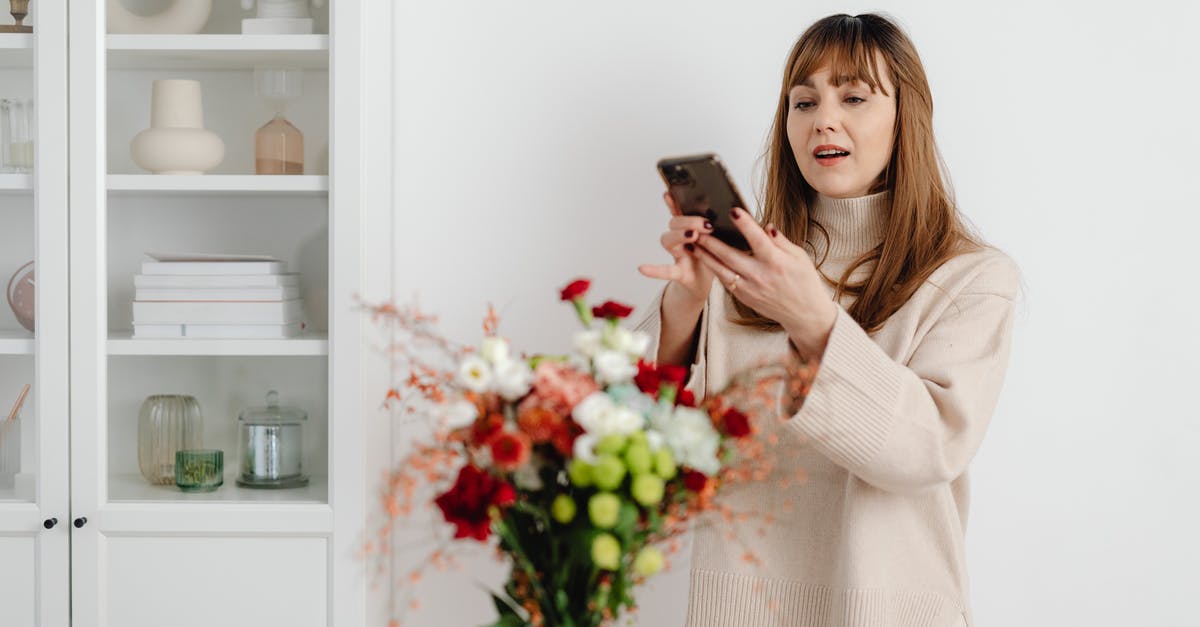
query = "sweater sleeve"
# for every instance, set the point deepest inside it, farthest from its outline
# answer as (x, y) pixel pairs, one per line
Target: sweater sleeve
(907, 428)
(651, 324)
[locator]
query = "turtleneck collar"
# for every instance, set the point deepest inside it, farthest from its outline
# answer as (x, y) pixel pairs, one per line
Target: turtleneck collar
(855, 225)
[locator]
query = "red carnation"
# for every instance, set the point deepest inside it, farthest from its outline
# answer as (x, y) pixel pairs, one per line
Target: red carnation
(564, 438)
(686, 398)
(736, 423)
(612, 309)
(509, 449)
(539, 423)
(672, 374)
(694, 481)
(466, 504)
(576, 289)
(647, 377)
(484, 428)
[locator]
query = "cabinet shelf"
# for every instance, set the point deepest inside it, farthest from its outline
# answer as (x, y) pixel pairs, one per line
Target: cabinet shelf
(13, 342)
(125, 488)
(217, 52)
(16, 50)
(309, 344)
(307, 184)
(16, 182)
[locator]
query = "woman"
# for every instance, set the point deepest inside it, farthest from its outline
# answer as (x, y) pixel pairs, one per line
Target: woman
(909, 317)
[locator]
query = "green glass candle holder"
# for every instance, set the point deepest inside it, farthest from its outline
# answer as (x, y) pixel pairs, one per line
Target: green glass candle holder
(199, 470)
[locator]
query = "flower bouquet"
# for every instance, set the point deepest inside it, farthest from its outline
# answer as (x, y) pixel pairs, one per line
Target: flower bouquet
(582, 470)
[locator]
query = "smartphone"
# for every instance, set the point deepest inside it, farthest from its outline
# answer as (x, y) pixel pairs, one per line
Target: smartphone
(700, 186)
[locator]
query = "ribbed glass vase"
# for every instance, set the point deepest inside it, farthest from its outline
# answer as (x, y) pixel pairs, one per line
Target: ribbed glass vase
(167, 423)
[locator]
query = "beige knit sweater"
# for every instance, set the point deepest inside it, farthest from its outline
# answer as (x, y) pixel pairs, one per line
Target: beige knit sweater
(874, 534)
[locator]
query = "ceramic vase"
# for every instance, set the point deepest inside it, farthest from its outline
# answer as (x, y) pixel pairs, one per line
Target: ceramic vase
(182, 16)
(279, 17)
(177, 142)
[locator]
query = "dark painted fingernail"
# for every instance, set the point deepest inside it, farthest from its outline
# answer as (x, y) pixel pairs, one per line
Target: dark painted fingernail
(736, 213)
(774, 231)
(708, 225)
(688, 233)
(690, 247)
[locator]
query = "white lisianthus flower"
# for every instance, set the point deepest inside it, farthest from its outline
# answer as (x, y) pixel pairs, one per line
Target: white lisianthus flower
(654, 439)
(613, 367)
(690, 435)
(475, 374)
(625, 341)
(526, 477)
(460, 414)
(588, 342)
(579, 362)
(495, 350)
(589, 410)
(615, 336)
(513, 379)
(585, 448)
(600, 416)
(638, 344)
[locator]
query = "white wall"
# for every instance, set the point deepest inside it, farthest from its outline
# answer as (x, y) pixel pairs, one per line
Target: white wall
(525, 135)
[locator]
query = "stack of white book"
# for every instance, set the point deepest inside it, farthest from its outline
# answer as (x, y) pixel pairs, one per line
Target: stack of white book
(216, 296)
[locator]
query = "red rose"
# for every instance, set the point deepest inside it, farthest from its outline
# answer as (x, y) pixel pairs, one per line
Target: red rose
(647, 378)
(612, 309)
(509, 449)
(466, 504)
(736, 423)
(694, 480)
(576, 289)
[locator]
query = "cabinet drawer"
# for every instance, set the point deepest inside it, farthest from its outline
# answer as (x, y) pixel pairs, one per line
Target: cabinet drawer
(200, 582)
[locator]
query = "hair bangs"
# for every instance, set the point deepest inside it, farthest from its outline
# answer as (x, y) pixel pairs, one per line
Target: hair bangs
(845, 50)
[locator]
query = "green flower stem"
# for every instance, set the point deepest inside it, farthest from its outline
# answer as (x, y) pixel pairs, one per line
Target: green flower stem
(523, 561)
(584, 312)
(666, 394)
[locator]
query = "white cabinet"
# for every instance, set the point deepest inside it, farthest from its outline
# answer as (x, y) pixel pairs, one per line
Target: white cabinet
(123, 552)
(34, 509)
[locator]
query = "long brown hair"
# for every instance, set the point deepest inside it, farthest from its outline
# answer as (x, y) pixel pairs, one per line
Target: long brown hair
(924, 228)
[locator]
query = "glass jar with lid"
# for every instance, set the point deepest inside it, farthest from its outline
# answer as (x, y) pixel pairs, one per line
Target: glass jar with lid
(270, 445)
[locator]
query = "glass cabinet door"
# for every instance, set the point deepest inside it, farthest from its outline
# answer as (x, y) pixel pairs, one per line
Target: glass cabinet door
(34, 511)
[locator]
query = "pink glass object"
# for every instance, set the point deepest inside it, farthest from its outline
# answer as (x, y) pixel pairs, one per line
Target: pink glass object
(278, 144)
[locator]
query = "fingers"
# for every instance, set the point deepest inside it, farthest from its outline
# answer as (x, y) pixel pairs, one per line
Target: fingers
(690, 223)
(759, 241)
(675, 211)
(722, 272)
(731, 257)
(666, 272)
(782, 242)
(684, 230)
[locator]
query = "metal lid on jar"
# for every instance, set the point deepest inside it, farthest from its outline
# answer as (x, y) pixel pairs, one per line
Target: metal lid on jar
(273, 412)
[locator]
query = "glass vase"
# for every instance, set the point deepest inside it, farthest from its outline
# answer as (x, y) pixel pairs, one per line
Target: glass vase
(199, 470)
(278, 148)
(167, 423)
(278, 144)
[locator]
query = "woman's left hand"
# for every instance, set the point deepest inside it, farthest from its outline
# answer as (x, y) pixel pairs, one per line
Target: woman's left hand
(778, 281)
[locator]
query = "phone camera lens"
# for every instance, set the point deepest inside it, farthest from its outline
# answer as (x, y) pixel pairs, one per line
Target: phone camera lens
(679, 176)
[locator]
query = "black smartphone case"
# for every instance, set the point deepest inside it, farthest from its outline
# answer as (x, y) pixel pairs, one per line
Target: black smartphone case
(701, 186)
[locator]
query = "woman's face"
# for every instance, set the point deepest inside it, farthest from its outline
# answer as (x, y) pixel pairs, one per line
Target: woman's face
(851, 118)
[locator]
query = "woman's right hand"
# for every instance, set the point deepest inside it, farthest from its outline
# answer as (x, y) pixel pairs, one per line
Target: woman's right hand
(687, 272)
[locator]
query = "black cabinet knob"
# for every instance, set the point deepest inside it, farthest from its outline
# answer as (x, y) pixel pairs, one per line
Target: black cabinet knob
(49, 523)
(80, 522)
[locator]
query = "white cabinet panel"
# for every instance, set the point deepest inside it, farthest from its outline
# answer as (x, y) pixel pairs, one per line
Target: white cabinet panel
(17, 581)
(201, 582)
